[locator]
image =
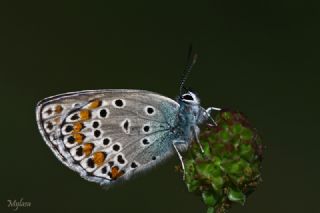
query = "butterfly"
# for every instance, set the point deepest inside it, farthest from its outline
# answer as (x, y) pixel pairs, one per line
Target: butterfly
(111, 134)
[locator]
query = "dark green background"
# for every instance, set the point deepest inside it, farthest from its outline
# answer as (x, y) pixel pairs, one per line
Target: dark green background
(260, 57)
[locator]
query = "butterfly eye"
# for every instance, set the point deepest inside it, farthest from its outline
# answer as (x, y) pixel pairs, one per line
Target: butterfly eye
(187, 97)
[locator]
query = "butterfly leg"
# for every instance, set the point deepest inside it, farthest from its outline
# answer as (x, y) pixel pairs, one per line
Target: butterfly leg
(195, 134)
(179, 155)
(208, 112)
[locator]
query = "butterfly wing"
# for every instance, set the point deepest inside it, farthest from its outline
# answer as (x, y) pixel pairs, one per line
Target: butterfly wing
(106, 135)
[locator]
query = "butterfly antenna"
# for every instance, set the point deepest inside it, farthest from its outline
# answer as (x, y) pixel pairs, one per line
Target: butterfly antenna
(191, 60)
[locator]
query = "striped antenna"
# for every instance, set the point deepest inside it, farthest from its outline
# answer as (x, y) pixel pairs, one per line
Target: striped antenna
(191, 60)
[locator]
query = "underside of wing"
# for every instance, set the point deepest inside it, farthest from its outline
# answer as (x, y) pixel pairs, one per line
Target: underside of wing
(107, 134)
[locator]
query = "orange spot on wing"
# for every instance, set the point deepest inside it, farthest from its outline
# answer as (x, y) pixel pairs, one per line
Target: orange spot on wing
(58, 109)
(77, 127)
(85, 114)
(98, 158)
(57, 120)
(78, 137)
(116, 173)
(87, 148)
(94, 104)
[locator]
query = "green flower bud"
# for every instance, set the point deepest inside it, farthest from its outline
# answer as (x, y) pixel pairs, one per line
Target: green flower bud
(230, 167)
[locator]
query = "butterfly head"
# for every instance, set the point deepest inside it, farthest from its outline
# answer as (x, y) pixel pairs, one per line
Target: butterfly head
(190, 111)
(190, 97)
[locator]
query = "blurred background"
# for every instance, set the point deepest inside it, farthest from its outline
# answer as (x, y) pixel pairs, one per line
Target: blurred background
(260, 57)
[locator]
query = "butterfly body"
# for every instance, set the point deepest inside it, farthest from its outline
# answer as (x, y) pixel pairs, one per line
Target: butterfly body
(108, 135)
